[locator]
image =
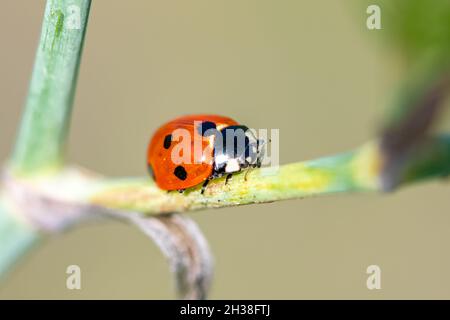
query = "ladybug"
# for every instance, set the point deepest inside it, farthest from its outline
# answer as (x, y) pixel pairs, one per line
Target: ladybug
(194, 149)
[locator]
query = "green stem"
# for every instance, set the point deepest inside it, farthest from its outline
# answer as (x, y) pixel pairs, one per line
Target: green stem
(357, 171)
(348, 172)
(45, 123)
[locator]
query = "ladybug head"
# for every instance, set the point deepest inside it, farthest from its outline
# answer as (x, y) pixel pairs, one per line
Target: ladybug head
(235, 148)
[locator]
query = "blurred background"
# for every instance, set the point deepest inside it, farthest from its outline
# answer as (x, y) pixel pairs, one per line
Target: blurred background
(311, 69)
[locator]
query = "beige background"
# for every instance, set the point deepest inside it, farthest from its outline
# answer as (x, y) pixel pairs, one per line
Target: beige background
(309, 68)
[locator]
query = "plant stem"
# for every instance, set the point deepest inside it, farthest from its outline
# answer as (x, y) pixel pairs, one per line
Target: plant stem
(357, 171)
(42, 136)
(43, 131)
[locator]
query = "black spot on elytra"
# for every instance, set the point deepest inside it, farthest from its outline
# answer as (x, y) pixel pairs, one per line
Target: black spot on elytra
(167, 141)
(180, 173)
(205, 126)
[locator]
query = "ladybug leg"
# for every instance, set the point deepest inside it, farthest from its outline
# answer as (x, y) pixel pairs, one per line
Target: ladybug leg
(245, 174)
(181, 190)
(228, 178)
(259, 163)
(204, 186)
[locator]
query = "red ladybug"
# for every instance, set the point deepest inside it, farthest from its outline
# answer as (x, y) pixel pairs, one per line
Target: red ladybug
(193, 149)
